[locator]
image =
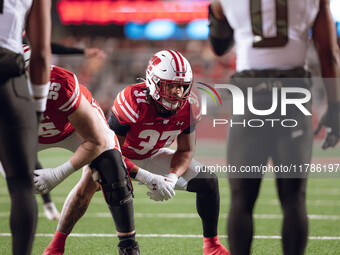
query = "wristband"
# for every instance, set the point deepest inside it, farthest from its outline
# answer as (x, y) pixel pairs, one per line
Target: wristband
(173, 177)
(67, 168)
(40, 104)
(41, 90)
(142, 175)
(129, 164)
(62, 172)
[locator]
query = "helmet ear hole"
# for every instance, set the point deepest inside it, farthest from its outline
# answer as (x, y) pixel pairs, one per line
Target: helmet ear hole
(156, 80)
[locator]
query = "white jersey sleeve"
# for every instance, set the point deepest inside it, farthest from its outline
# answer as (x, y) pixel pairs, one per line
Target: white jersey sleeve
(12, 20)
(266, 38)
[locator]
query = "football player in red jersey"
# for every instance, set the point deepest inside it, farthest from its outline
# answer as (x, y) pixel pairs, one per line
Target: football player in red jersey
(50, 209)
(147, 117)
(74, 121)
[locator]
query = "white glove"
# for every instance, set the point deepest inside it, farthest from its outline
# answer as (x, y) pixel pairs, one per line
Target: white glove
(155, 196)
(46, 179)
(156, 184)
(171, 179)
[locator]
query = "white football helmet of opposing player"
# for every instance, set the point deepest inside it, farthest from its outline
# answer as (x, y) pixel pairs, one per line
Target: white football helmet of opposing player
(169, 67)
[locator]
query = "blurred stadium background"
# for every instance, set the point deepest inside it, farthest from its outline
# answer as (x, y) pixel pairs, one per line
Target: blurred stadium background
(130, 32)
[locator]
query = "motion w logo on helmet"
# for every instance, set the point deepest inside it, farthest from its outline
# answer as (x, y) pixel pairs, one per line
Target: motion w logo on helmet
(204, 98)
(153, 62)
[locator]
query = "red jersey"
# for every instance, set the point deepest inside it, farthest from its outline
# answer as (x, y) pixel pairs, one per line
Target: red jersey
(63, 99)
(149, 132)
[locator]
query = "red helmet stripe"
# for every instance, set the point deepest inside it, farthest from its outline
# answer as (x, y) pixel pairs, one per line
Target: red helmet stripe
(181, 60)
(176, 62)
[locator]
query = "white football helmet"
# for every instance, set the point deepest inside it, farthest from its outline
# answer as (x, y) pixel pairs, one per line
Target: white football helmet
(27, 54)
(169, 67)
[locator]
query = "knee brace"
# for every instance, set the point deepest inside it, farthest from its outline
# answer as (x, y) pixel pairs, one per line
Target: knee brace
(114, 179)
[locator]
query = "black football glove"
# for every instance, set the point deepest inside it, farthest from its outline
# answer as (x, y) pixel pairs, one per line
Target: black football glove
(221, 34)
(331, 120)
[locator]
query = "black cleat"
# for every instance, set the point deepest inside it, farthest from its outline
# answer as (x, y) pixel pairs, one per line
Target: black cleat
(130, 250)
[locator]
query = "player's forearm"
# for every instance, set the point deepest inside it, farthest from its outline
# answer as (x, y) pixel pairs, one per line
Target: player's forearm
(46, 179)
(330, 68)
(324, 37)
(40, 67)
(64, 50)
(86, 153)
(39, 34)
(180, 162)
(332, 87)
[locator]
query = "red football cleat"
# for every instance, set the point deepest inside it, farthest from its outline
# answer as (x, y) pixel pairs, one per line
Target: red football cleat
(56, 246)
(213, 246)
(52, 251)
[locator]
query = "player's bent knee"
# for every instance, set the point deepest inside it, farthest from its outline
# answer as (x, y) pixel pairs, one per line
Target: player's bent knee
(91, 178)
(210, 181)
(87, 187)
(204, 182)
(87, 184)
(114, 180)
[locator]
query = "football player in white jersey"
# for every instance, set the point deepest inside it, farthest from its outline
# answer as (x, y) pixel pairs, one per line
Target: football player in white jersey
(271, 42)
(18, 111)
(74, 121)
(147, 117)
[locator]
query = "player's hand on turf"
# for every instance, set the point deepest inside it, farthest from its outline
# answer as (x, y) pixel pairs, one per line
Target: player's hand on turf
(157, 184)
(44, 180)
(48, 178)
(331, 120)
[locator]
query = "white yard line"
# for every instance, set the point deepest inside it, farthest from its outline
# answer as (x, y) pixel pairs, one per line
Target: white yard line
(176, 236)
(192, 215)
(187, 201)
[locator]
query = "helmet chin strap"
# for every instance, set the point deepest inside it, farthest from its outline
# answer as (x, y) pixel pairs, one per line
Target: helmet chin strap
(170, 106)
(162, 111)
